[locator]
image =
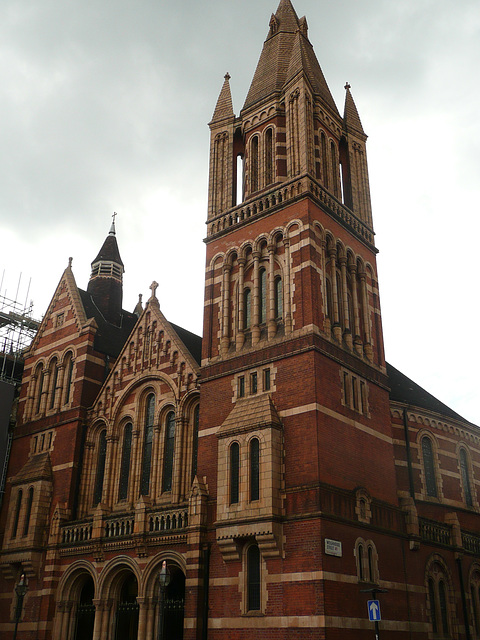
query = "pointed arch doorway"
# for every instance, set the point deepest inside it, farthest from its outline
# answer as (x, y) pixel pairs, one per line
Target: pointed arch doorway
(174, 604)
(85, 614)
(126, 623)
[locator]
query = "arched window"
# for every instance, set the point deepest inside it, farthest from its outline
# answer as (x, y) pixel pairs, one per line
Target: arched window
(169, 451)
(247, 309)
(324, 160)
(263, 295)
(429, 467)
(196, 416)
(41, 379)
(467, 491)
(333, 154)
(147, 444)
(125, 464)
(433, 611)
(254, 469)
(101, 459)
(254, 165)
(269, 157)
(253, 578)
(438, 589)
(328, 300)
(360, 562)
(442, 597)
(234, 472)
(16, 517)
(278, 297)
(68, 377)
(54, 381)
(28, 512)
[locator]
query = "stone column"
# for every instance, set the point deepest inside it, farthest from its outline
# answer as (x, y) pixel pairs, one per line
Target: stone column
(346, 316)
(256, 298)
(272, 325)
(240, 338)
(337, 329)
(366, 321)
(142, 618)
(225, 341)
(288, 292)
(357, 341)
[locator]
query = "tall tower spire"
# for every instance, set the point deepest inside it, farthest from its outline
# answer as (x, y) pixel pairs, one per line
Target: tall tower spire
(106, 278)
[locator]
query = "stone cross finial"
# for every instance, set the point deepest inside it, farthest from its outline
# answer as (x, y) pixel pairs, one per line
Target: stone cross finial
(154, 287)
(227, 76)
(348, 86)
(70, 260)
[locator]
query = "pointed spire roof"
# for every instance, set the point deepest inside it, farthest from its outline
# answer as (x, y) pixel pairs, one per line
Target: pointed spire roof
(286, 53)
(109, 251)
(224, 107)
(350, 115)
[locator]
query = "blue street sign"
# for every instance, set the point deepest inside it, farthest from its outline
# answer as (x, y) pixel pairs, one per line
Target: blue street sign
(373, 607)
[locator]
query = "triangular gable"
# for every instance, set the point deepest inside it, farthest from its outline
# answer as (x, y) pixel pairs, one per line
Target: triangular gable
(157, 359)
(68, 286)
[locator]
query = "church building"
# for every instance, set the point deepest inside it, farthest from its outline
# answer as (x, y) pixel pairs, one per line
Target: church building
(292, 484)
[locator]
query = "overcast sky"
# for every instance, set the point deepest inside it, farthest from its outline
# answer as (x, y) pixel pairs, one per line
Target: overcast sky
(104, 107)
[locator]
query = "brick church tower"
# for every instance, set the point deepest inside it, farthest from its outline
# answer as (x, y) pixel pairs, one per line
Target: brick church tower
(294, 396)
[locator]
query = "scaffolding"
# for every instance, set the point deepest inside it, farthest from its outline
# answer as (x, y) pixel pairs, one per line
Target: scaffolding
(17, 330)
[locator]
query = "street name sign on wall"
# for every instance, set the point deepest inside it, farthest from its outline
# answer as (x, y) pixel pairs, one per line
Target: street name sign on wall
(333, 547)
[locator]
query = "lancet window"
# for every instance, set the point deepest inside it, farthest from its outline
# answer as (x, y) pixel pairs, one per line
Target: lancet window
(234, 472)
(465, 476)
(255, 294)
(125, 463)
(169, 451)
(429, 467)
(345, 298)
(147, 444)
(28, 512)
(254, 469)
(100, 473)
(16, 517)
(438, 600)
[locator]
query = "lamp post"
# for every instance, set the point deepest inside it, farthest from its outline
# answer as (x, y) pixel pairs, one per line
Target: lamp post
(21, 589)
(164, 579)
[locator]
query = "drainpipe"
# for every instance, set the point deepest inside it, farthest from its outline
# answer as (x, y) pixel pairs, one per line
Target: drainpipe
(409, 455)
(206, 580)
(464, 598)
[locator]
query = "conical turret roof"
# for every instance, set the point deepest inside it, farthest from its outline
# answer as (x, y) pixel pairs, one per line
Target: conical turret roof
(287, 52)
(109, 251)
(224, 107)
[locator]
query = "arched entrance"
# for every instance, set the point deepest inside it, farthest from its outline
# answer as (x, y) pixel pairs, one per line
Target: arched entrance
(85, 614)
(174, 604)
(126, 619)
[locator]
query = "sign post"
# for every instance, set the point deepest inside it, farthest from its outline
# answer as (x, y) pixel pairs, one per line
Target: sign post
(373, 609)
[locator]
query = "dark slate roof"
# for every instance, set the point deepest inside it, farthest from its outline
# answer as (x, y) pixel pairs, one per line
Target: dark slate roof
(109, 251)
(190, 340)
(109, 339)
(404, 390)
(286, 52)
